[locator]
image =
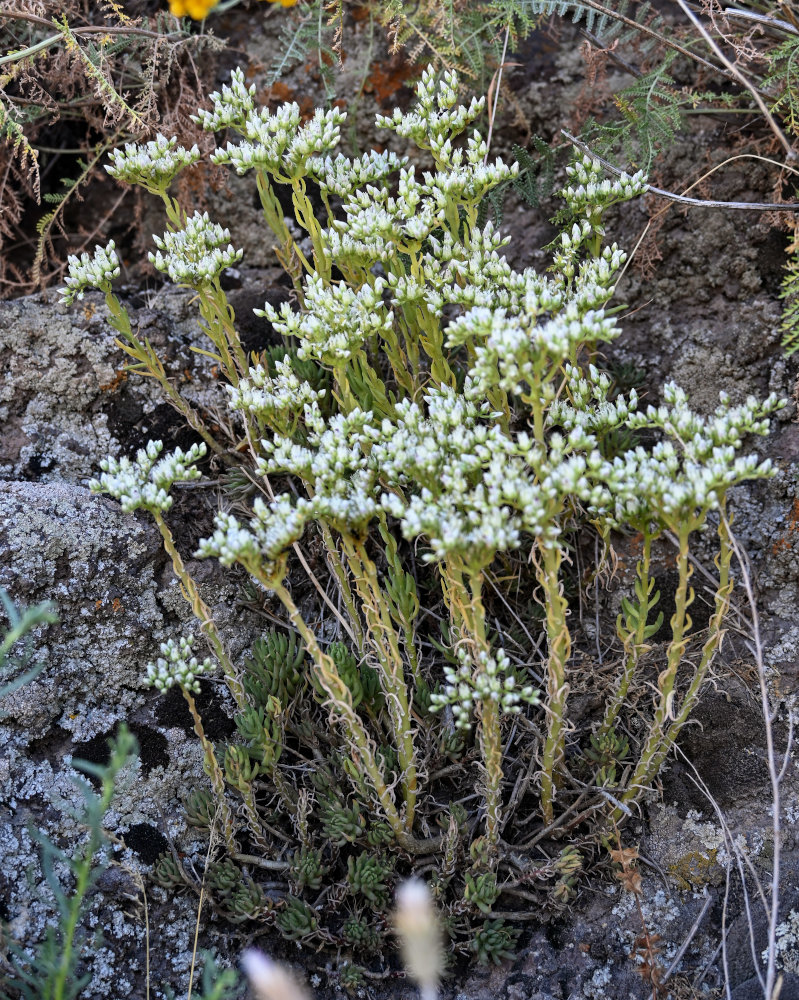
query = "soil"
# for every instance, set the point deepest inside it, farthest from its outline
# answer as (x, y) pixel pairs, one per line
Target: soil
(701, 307)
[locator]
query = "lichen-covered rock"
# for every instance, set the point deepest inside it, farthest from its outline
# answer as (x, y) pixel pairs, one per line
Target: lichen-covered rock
(60, 543)
(117, 599)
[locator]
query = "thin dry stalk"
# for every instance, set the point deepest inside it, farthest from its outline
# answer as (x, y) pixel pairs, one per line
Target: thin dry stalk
(770, 985)
(790, 153)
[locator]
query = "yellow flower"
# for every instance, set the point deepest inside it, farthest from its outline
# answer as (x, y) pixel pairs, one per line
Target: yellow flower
(198, 10)
(195, 9)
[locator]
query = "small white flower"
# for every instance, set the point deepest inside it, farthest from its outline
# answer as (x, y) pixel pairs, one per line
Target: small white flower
(484, 678)
(231, 106)
(90, 272)
(177, 665)
(196, 254)
(146, 481)
(153, 165)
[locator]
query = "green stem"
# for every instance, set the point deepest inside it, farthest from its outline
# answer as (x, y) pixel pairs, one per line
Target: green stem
(148, 363)
(82, 882)
(634, 642)
(221, 331)
(490, 727)
(559, 645)
(387, 647)
(214, 772)
(340, 702)
(711, 646)
(202, 612)
(336, 565)
(467, 612)
(657, 744)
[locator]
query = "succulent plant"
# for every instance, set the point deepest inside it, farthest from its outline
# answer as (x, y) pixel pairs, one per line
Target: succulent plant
(307, 869)
(262, 728)
(481, 891)
(360, 678)
(275, 668)
(494, 942)
(200, 808)
(366, 876)
(224, 878)
(247, 902)
(607, 749)
(166, 872)
(240, 770)
(296, 920)
(568, 865)
(351, 978)
(342, 824)
(362, 935)
(379, 834)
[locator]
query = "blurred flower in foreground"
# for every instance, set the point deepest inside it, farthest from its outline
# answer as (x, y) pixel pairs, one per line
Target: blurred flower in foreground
(420, 934)
(198, 10)
(269, 980)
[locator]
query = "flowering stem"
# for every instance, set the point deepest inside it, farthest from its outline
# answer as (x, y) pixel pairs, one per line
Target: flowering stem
(490, 729)
(467, 610)
(559, 643)
(148, 363)
(340, 703)
(289, 253)
(345, 590)
(304, 212)
(214, 772)
(659, 741)
(202, 611)
(711, 646)
(386, 644)
(221, 329)
(634, 642)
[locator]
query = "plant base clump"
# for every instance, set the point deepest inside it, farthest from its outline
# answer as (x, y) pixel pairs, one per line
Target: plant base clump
(436, 425)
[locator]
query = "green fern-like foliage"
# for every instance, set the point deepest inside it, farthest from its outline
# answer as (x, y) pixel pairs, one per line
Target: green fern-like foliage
(16, 654)
(51, 970)
(315, 31)
(650, 116)
(623, 22)
(783, 79)
(790, 299)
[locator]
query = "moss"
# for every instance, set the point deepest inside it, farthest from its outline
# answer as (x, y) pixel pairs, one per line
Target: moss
(696, 870)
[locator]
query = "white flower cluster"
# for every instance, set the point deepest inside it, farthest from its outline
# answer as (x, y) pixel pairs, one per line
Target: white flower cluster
(196, 254)
(464, 484)
(435, 119)
(595, 275)
(587, 404)
(335, 321)
(147, 481)
(280, 144)
(341, 176)
(473, 273)
(232, 106)
(589, 193)
(153, 165)
(510, 351)
(177, 665)
(377, 220)
(489, 678)
(335, 465)
(259, 545)
(90, 272)
(686, 474)
(466, 177)
(273, 398)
